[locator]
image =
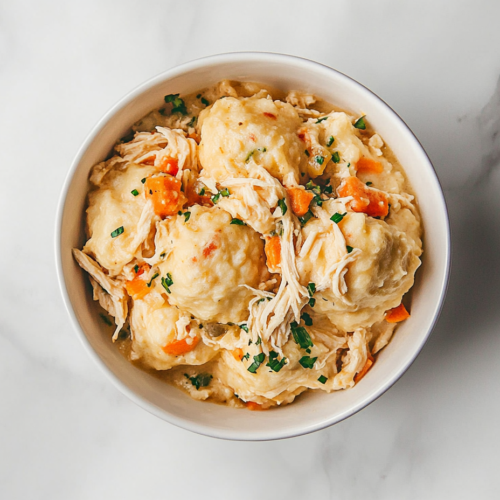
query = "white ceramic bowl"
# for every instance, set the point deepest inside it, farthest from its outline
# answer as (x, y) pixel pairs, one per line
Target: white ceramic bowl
(313, 410)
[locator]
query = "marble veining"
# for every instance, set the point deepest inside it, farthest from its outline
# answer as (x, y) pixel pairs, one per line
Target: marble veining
(67, 433)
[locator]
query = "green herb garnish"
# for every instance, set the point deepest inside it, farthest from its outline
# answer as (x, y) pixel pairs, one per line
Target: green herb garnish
(307, 361)
(304, 220)
(167, 282)
(136, 269)
(319, 159)
(178, 104)
(273, 363)
(238, 222)
(360, 123)
(215, 198)
(246, 356)
(244, 327)
(307, 153)
(153, 278)
(330, 141)
(134, 192)
(204, 101)
(349, 249)
(247, 159)
(307, 319)
(317, 199)
(335, 157)
(312, 302)
(319, 120)
(202, 192)
(322, 379)
(117, 232)
(257, 361)
(191, 122)
(328, 189)
(201, 380)
(311, 288)
(198, 96)
(282, 205)
(225, 192)
(369, 183)
(259, 341)
(262, 150)
(186, 216)
(300, 335)
(143, 180)
(337, 217)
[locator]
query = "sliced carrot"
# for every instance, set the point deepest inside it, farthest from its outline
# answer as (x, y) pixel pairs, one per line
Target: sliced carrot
(300, 200)
(238, 354)
(273, 252)
(142, 268)
(165, 193)
(397, 314)
(137, 288)
(365, 369)
(366, 200)
(169, 165)
(369, 166)
(252, 406)
(209, 249)
(179, 347)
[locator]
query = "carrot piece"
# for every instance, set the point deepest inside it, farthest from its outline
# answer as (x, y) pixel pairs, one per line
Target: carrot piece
(137, 288)
(142, 268)
(252, 406)
(365, 369)
(150, 160)
(300, 200)
(369, 166)
(169, 165)
(397, 314)
(165, 193)
(238, 354)
(179, 347)
(273, 252)
(366, 200)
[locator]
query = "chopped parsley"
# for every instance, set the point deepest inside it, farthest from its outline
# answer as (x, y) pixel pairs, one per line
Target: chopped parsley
(202, 192)
(105, 319)
(273, 363)
(349, 249)
(328, 189)
(186, 216)
(312, 302)
(201, 380)
(178, 104)
(282, 205)
(307, 361)
(259, 341)
(249, 155)
(369, 183)
(204, 101)
(257, 361)
(262, 150)
(300, 335)
(319, 159)
(337, 217)
(238, 222)
(179, 212)
(307, 152)
(198, 96)
(317, 199)
(215, 198)
(191, 122)
(167, 282)
(319, 120)
(307, 319)
(330, 141)
(162, 255)
(322, 379)
(360, 123)
(117, 232)
(335, 157)
(153, 278)
(143, 180)
(134, 192)
(225, 192)
(244, 327)
(136, 268)
(246, 356)
(307, 217)
(311, 288)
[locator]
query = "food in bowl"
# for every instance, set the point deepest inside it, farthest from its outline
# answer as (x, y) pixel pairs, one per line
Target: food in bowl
(252, 245)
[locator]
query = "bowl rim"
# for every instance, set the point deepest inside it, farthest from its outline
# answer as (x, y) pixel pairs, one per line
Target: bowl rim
(141, 401)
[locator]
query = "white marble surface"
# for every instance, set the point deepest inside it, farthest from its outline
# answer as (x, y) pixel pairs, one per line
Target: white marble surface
(66, 433)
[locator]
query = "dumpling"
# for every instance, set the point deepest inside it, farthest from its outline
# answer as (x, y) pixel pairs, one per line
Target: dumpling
(153, 326)
(209, 259)
(377, 277)
(112, 206)
(239, 133)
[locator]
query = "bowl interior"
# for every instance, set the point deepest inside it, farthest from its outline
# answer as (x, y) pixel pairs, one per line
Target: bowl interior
(311, 411)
